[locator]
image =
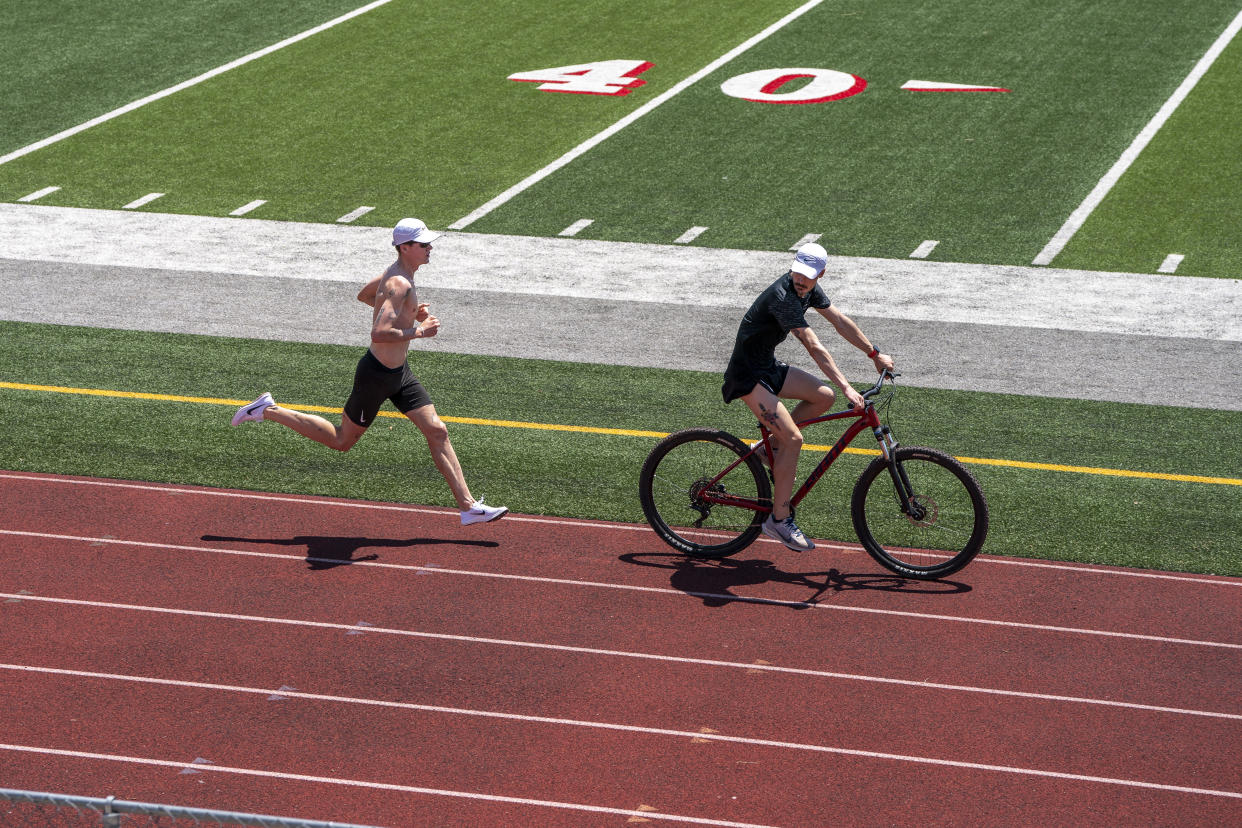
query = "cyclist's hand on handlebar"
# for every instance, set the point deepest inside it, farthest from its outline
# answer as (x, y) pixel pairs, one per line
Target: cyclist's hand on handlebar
(853, 398)
(882, 362)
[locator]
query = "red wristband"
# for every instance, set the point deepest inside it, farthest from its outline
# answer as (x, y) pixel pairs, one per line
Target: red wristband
(874, 353)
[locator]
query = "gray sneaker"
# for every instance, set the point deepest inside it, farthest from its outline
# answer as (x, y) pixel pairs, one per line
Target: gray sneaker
(787, 532)
(254, 411)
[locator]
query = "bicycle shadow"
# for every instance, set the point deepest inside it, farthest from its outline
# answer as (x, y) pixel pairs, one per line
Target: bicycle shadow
(330, 551)
(711, 580)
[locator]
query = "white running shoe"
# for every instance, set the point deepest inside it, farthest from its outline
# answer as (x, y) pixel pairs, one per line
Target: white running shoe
(787, 532)
(480, 512)
(254, 411)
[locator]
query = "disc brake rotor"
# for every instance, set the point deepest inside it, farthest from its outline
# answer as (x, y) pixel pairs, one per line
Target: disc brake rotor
(923, 511)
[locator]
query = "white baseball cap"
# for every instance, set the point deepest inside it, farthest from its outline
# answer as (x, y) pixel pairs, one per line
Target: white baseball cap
(413, 230)
(810, 260)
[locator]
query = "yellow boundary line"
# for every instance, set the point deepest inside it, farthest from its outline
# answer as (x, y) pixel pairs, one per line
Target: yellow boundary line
(621, 432)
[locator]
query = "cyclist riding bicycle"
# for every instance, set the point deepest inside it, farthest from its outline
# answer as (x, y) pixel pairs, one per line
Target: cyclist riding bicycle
(759, 379)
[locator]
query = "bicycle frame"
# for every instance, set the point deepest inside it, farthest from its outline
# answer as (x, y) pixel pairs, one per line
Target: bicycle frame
(867, 418)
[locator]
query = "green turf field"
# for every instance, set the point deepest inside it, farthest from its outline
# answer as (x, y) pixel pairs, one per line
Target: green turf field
(1182, 194)
(1162, 524)
(409, 110)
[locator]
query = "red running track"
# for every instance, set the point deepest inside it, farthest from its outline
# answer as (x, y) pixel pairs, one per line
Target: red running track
(380, 664)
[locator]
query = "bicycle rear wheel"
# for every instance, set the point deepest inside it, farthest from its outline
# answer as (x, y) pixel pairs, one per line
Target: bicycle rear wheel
(678, 472)
(950, 520)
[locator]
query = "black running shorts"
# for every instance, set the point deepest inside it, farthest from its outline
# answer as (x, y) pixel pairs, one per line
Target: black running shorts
(739, 383)
(375, 382)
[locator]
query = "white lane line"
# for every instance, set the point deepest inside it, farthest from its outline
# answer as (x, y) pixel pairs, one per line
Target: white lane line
(1105, 184)
(379, 786)
(625, 527)
(655, 657)
(288, 693)
(576, 228)
(354, 214)
(1171, 263)
(808, 238)
(730, 665)
(146, 199)
(248, 207)
(924, 250)
(1221, 580)
(865, 754)
(690, 235)
(38, 194)
(590, 143)
(219, 70)
(635, 588)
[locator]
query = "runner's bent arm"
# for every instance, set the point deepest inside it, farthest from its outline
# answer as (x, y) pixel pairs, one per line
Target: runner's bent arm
(827, 364)
(853, 334)
(367, 295)
(384, 329)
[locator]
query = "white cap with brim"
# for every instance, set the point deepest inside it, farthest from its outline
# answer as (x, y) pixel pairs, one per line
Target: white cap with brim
(413, 230)
(810, 260)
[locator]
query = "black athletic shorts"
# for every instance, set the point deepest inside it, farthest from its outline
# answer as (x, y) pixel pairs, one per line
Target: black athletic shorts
(739, 383)
(375, 382)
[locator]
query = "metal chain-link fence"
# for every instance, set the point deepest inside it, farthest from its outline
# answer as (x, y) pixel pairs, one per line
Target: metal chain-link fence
(36, 809)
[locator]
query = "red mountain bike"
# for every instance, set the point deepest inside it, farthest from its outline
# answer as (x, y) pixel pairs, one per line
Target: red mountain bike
(918, 511)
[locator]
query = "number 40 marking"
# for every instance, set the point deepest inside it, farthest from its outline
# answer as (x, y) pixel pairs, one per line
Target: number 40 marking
(618, 77)
(771, 86)
(603, 77)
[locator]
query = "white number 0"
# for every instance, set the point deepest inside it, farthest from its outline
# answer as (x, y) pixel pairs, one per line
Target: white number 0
(765, 86)
(603, 77)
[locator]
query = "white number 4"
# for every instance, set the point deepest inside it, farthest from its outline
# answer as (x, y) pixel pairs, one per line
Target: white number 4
(603, 77)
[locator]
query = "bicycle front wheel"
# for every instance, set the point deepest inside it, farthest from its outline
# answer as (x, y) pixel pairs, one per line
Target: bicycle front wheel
(679, 472)
(944, 528)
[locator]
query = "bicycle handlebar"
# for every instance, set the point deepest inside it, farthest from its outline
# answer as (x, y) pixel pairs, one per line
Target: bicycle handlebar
(875, 389)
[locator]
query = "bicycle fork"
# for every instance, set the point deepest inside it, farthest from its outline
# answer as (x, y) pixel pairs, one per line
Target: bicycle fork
(901, 482)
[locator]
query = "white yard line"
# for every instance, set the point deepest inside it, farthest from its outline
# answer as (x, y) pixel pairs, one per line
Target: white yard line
(142, 202)
(1093, 199)
(577, 227)
(594, 141)
(690, 235)
(164, 93)
(38, 194)
(248, 207)
(1171, 263)
(352, 215)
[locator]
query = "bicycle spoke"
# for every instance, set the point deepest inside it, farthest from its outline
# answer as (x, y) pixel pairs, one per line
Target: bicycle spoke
(948, 520)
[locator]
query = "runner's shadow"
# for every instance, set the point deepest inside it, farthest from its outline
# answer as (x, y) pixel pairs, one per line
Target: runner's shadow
(712, 580)
(328, 551)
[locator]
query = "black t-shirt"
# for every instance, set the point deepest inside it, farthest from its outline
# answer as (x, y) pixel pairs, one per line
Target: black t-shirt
(777, 311)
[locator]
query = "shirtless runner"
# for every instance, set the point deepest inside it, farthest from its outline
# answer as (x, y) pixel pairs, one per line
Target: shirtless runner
(383, 373)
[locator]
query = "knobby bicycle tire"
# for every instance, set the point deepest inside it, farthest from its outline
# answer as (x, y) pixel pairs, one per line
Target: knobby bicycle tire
(675, 473)
(950, 528)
